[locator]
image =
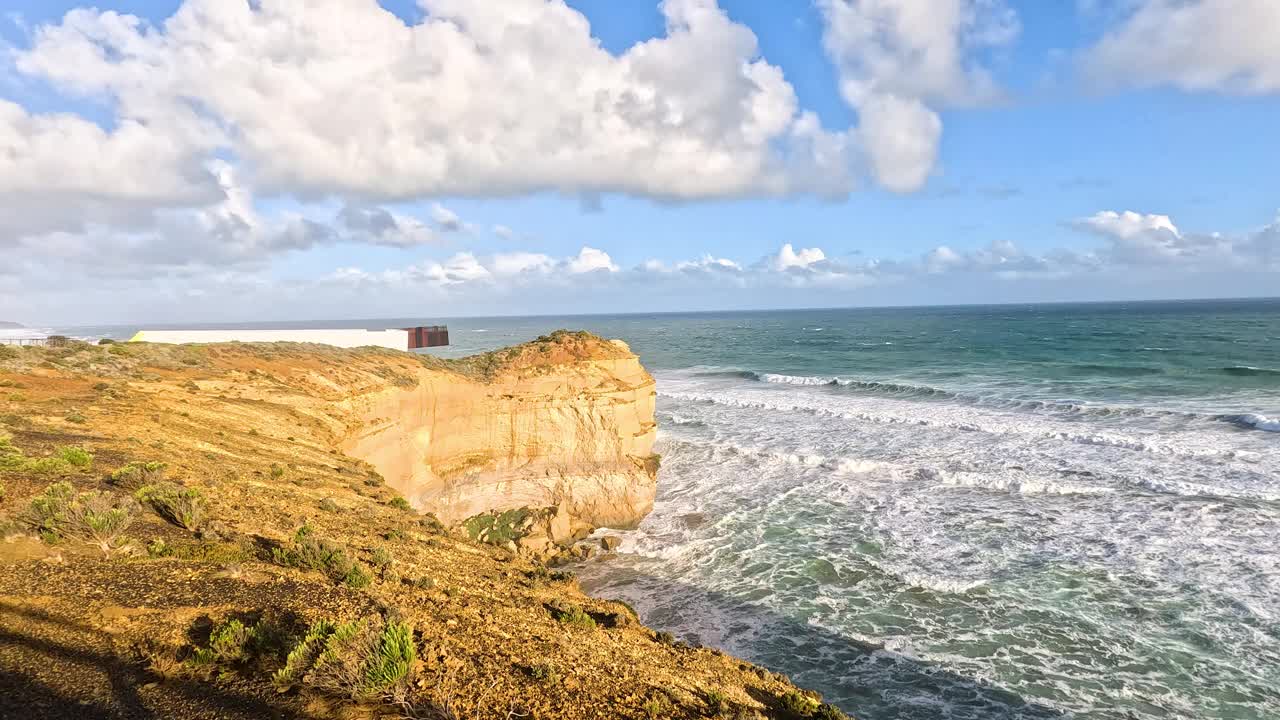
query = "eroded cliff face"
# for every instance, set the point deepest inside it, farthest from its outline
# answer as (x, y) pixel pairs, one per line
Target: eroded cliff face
(568, 422)
(257, 433)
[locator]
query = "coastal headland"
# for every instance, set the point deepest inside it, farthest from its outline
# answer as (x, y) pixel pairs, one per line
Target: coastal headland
(297, 531)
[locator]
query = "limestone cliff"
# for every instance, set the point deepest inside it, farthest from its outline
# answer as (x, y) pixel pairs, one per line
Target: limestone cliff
(564, 422)
(267, 529)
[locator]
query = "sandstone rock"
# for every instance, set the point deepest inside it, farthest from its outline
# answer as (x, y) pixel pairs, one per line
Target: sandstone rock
(570, 426)
(560, 524)
(610, 542)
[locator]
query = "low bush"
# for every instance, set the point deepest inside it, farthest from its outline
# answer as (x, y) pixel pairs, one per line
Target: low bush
(716, 702)
(184, 507)
(797, 704)
(829, 712)
(382, 558)
(237, 646)
(309, 552)
(574, 617)
(497, 528)
(545, 673)
(136, 474)
(75, 457)
(217, 553)
(364, 659)
(400, 503)
(94, 517)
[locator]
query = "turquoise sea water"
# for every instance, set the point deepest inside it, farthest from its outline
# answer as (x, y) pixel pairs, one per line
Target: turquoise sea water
(1067, 511)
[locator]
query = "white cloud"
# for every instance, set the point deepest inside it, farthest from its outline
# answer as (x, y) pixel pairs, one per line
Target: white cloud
(590, 259)
(788, 258)
(901, 139)
(1138, 237)
(504, 232)
(898, 59)
(447, 220)
(1147, 240)
(377, 226)
(492, 98)
(1129, 224)
(1196, 45)
(708, 262)
(508, 264)
(59, 172)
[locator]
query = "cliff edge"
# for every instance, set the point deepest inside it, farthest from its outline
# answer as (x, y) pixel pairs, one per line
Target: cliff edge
(565, 421)
(246, 531)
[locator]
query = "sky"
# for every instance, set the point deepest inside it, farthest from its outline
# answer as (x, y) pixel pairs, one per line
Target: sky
(238, 160)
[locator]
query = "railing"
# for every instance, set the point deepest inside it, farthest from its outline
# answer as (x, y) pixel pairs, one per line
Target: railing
(52, 341)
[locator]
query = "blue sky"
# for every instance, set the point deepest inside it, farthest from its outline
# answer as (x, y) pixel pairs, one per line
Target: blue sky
(1074, 114)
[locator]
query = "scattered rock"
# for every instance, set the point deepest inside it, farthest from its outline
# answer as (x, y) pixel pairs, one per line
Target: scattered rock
(610, 542)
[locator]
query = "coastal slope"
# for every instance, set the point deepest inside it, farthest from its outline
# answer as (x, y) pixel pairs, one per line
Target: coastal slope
(226, 531)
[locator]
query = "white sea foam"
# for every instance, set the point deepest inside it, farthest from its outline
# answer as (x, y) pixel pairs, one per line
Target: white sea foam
(796, 379)
(1261, 422)
(904, 540)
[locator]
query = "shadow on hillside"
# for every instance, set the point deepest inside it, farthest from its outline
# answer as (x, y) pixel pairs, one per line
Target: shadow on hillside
(864, 680)
(90, 682)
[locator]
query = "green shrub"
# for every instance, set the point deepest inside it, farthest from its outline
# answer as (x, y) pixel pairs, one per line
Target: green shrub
(797, 704)
(277, 471)
(97, 518)
(184, 507)
(229, 643)
(497, 528)
(829, 712)
(136, 474)
(716, 702)
(382, 558)
(46, 466)
(544, 672)
(312, 553)
(216, 553)
(574, 617)
(76, 417)
(363, 659)
(658, 707)
(329, 505)
(236, 645)
(11, 458)
(400, 503)
(75, 457)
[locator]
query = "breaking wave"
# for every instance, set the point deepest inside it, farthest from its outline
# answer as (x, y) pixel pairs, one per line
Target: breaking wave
(1252, 421)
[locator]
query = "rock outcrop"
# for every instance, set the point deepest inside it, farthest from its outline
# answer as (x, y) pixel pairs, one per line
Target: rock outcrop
(566, 422)
(261, 537)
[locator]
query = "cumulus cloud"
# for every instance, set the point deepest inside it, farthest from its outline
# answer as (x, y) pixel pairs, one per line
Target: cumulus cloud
(60, 172)
(378, 226)
(1139, 239)
(448, 220)
(590, 259)
(1195, 45)
(788, 258)
(491, 98)
(898, 60)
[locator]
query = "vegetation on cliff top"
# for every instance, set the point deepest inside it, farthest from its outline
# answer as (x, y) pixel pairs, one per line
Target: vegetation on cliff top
(275, 576)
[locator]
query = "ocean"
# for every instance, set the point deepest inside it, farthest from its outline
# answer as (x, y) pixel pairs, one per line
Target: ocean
(1052, 511)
